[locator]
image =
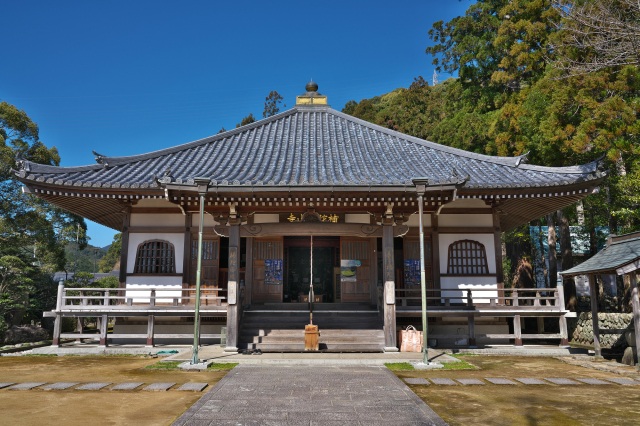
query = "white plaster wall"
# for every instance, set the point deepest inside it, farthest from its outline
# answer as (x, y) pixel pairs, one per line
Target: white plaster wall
(484, 239)
(357, 218)
(485, 288)
(208, 220)
(154, 202)
(467, 203)
(135, 239)
(465, 220)
(167, 288)
(149, 219)
(266, 218)
(414, 220)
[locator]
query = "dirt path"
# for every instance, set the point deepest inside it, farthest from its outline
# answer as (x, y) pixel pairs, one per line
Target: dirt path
(96, 408)
(521, 404)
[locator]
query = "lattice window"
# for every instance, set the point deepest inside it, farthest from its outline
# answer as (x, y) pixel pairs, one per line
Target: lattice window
(155, 257)
(467, 257)
(209, 250)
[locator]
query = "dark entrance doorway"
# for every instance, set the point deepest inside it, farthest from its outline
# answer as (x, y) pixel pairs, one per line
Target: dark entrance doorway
(297, 274)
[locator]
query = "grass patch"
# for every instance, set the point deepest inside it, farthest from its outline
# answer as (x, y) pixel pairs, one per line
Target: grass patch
(39, 355)
(399, 366)
(460, 365)
(221, 366)
(164, 365)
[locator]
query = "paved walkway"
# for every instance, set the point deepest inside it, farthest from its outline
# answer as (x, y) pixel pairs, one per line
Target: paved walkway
(298, 395)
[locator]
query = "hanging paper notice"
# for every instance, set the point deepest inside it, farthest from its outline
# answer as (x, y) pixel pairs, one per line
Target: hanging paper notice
(348, 269)
(412, 272)
(273, 271)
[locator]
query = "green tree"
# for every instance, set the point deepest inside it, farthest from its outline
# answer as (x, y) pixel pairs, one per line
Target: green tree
(33, 233)
(272, 104)
(246, 120)
(598, 35)
(111, 259)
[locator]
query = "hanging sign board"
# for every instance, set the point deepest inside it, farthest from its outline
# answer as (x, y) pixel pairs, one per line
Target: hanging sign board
(273, 271)
(348, 269)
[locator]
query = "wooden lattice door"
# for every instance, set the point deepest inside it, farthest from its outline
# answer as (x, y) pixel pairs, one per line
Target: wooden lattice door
(210, 262)
(355, 265)
(268, 270)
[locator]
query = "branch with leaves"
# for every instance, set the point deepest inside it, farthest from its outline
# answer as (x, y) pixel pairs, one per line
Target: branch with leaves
(598, 34)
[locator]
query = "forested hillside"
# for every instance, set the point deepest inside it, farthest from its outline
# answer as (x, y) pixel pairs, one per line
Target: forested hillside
(533, 78)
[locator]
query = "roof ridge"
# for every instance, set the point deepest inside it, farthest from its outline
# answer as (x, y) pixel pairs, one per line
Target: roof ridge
(213, 138)
(515, 162)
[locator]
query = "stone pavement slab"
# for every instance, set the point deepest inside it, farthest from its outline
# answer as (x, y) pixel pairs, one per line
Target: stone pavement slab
(59, 385)
(94, 386)
(531, 381)
(416, 381)
(561, 381)
(443, 381)
(158, 387)
(196, 387)
(623, 381)
(6, 384)
(499, 381)
(26, 386)
(127, 386)
(471, 381)
(303, 395)
(591, 381)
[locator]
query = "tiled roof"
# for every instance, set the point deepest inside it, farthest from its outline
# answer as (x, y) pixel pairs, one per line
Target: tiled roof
(615, 255)
(308, 146)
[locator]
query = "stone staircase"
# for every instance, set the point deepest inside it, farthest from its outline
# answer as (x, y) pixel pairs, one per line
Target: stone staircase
(343, 327)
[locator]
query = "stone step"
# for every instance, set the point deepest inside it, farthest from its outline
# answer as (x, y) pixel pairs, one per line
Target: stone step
(316, 307)
(344, 339)
(324, 347)
(327, 334)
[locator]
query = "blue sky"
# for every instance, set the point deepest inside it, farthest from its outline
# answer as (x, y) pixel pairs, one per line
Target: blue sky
(129, 77)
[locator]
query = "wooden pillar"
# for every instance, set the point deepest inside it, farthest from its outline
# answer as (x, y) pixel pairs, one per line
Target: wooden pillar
(104, 327)
(104, 321)
(151, 330)
(497, 242)
(233, 312)
(564, 333)
(471, 323)
(124, 253)
(635, 302)
(435, 252)
(388, 272)
(57, 325)
(594, 315)
(248, 273)
(517, 330)
(186, 258)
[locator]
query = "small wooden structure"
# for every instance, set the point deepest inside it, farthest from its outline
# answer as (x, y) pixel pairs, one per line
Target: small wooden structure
(621, 256)
(311, 337)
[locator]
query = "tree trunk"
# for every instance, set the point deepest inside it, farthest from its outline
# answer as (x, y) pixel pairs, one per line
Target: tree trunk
(565, 241)
(540, 261)
(551, 239)
(570, 297)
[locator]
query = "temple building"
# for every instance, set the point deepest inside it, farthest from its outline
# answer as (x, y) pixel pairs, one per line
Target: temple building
(311, 197)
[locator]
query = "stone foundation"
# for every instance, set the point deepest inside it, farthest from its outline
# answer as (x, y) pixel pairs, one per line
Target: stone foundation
(581, 329)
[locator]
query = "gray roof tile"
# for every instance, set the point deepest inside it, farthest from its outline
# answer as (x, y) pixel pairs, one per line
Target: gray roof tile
(615, 255)
(308, 146)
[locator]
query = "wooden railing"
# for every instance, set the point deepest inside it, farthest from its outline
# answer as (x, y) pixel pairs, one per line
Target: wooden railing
(474, 302)
(544, 298)
(91, 299)
(150, 302)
